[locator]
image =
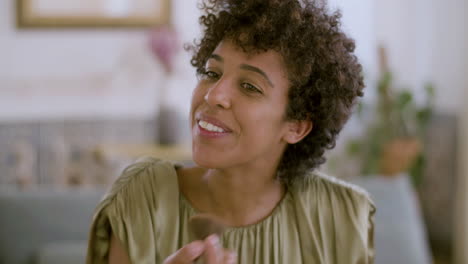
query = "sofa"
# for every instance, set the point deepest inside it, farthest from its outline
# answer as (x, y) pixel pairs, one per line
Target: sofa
(45, 225)
(400, 234)
(50, 226)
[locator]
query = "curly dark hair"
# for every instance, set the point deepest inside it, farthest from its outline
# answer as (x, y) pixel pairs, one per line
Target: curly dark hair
(325, 76)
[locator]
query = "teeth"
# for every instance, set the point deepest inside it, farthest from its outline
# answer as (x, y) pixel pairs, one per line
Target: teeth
(210, 127)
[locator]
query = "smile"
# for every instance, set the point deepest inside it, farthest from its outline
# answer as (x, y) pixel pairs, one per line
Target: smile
(210, 127)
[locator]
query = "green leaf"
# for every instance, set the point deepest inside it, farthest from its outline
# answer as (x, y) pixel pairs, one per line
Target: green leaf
(384, 82)
(430, 90)
(423, 116)
(404, 99)
(417, 169)
(354, 147)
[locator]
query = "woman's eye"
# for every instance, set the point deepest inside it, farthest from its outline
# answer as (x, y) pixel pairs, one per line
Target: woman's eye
(210, 75)
(250, 88)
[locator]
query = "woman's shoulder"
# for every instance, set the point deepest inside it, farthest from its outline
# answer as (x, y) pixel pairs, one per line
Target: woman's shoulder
(338, 186)
(334, 197)
(147, 189)
(142, 187)
(145, 174)
(342, 209)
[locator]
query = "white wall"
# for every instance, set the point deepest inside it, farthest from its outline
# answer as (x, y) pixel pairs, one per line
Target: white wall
(423, 38)
(425, 42)
(450, 53)
(357, 21)
(87, 73)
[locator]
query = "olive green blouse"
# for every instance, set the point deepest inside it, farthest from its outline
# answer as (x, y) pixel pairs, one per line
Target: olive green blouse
(325, 221)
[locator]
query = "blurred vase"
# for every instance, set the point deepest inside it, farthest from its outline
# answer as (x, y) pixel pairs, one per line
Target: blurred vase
(172, 127)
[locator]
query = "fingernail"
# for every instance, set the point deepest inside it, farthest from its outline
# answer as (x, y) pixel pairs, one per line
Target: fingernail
(214, 240)
(196, 249)
(232, 258)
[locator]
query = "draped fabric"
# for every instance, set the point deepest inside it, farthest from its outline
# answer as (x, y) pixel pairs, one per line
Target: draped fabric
(325, 221)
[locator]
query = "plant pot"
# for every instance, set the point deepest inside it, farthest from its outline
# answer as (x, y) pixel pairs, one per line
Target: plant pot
(398, 155)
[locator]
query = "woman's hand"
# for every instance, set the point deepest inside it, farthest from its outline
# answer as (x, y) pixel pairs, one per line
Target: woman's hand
(209, 250)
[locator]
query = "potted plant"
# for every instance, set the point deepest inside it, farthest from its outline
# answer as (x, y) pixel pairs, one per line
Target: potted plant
(392, 141)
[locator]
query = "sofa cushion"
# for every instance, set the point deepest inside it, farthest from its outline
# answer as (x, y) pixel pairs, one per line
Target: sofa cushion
(30, 219)
(400, 232)
(69, 252)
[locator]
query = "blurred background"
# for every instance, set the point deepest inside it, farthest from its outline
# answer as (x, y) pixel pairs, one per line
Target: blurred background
(86, 87)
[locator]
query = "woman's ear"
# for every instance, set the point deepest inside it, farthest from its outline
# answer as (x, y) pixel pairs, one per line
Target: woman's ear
(297, 130)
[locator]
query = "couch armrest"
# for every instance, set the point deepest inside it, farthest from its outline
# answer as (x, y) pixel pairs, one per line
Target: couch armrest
(70, 252)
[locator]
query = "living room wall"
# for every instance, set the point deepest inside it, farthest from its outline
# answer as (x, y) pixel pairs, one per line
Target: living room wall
(92, 73)
(426, 41)
(70, 73)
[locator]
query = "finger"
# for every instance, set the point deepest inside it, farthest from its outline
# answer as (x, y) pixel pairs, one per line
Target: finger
(213, 251)
(230, 257)
(187, 254)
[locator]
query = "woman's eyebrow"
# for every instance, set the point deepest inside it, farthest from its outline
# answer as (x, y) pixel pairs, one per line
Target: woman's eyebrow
(245, 67)
(216, 57)
(257, 70)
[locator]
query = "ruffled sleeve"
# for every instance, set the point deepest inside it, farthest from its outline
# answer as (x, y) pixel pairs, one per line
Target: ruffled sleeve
(353, 218)
(128, 211)
(340, 220)
(359, 218)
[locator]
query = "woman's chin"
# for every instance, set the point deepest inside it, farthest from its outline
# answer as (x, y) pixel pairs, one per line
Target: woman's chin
(211, 160)
(205, 157)
(206, 162)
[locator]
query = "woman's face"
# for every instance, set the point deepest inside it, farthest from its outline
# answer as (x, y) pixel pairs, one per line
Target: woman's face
(238, 109)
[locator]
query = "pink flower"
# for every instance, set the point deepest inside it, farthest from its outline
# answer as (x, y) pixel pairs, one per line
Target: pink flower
(164, 45)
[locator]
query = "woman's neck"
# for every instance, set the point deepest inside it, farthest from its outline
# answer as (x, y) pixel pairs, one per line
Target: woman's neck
(236, 197)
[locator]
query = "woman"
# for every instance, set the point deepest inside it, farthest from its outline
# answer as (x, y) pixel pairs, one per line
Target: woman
(278, 80)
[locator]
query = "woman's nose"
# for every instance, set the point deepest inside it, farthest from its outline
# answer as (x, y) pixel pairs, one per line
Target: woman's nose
(219, 94)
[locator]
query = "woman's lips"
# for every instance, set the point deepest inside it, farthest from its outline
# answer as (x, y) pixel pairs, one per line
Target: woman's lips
(211, 127)
(212, 124)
